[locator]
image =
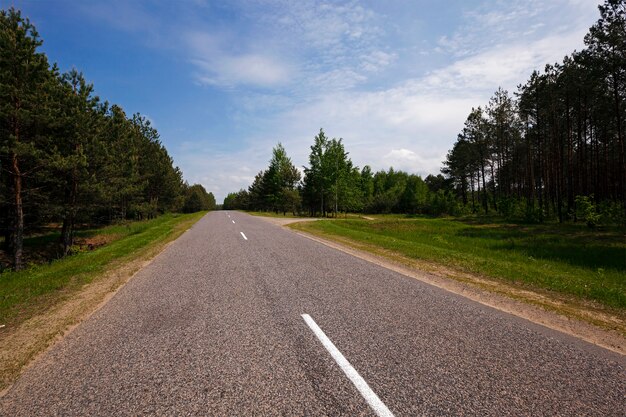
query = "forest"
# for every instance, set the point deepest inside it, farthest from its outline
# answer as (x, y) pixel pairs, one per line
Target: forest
(70, 159)
(552, 150)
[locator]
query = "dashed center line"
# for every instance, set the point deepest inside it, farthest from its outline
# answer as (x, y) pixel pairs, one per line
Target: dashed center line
(370, 396)
(233, 221)
(244, 236)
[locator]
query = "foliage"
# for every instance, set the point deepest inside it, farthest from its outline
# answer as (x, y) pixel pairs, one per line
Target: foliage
(563, 136)
(586, 210)
(197, 199)
(274, 189)
(66, 156)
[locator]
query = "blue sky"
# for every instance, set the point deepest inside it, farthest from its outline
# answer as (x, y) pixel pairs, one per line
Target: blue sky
(224, 81)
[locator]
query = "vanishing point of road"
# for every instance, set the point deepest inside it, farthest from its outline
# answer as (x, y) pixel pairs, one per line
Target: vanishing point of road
(242, 317)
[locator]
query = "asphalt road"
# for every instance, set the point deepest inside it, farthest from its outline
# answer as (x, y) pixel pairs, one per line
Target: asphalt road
(214, 326)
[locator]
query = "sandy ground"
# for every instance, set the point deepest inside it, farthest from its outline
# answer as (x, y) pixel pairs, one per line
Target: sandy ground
(287, 220)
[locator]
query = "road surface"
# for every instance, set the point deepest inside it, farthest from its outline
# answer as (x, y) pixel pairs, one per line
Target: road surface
(242, 317)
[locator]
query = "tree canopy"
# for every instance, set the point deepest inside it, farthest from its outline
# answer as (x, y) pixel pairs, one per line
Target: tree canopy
(560, 137)
(68, 157)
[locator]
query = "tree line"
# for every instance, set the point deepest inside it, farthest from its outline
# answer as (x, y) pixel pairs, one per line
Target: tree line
(558, 144)
(67, 157)
(553, 150)
(332, 184)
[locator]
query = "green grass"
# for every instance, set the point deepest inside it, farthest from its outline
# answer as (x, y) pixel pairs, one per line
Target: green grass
(26, 292)
(570, 259)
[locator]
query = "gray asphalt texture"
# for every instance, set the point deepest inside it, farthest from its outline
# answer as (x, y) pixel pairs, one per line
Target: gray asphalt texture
(213, 327)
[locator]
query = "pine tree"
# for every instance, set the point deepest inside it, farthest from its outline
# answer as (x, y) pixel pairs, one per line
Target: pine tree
(25, 82)
(69, 157)
(315, 184)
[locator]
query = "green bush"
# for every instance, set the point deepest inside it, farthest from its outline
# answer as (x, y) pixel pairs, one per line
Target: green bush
(534, 215)
(612, 212)
(586, 210)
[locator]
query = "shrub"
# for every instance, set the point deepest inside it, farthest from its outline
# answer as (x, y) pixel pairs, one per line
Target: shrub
(612, 212)
(534, 215)
(586, 210)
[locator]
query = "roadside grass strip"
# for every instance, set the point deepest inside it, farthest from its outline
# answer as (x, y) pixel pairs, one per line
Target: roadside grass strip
(568, 259)
(33, 290)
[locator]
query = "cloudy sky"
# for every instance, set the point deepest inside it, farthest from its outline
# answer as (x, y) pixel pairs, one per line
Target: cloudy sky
(225, 80)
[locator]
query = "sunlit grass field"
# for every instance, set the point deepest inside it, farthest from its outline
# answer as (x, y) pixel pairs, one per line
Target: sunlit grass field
(570, 259)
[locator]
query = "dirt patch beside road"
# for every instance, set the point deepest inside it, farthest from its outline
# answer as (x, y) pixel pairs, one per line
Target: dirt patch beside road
(287, 220)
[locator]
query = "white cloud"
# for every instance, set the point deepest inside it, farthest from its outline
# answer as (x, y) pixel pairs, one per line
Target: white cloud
(515, 21)
(338, 79)
(402, 127)
(503, 65)
(217, 65)
(407, 160)
(219, 173)
(251, 69)
(331, 28)
(304, 46)
(377, 61)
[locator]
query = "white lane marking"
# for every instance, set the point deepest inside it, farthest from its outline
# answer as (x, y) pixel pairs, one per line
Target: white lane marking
(244, 236)
(229, 216)
(233, 221)
(370, 396)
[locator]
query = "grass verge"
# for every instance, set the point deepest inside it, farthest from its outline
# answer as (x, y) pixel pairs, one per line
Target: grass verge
(27, 292)
(41, 303)
(570, 260)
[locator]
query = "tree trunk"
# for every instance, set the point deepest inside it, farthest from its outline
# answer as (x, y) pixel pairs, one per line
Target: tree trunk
(17, 226)
(464, 190)
(570, 161)
(493, 181)
(7, 214)
(620, 141)
(472, 190)
(67, 232)
(531, 170)
(66, 236)
(485, 203)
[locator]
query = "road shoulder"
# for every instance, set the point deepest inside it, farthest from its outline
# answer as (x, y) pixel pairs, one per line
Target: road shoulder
(586, 323)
